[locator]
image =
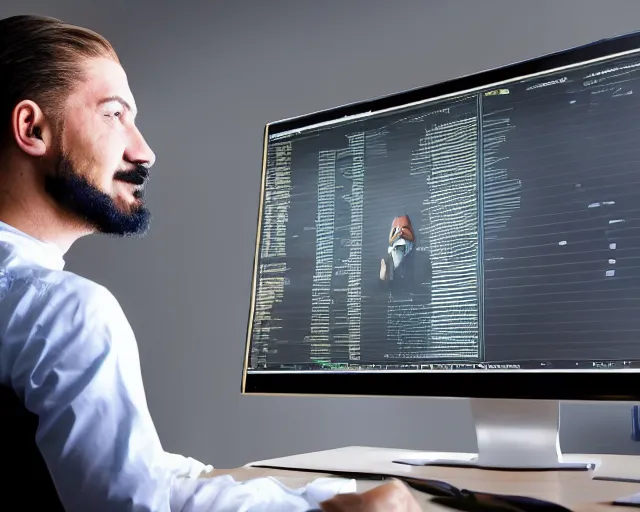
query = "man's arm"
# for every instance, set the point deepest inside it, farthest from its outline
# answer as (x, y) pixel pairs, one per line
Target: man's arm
(74, 361)
(77, 368)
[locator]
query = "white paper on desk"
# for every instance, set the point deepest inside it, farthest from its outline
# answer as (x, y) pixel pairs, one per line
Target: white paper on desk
(264, 494)
(630, 501)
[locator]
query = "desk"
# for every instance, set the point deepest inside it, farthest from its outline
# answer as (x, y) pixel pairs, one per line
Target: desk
(574, 489)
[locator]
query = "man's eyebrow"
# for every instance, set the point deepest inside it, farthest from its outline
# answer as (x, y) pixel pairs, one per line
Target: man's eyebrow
(120, 100)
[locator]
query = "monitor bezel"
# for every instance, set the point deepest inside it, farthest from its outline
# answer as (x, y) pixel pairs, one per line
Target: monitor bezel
(609, 385)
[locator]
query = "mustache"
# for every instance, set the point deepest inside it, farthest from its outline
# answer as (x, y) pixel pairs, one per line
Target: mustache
(137, 176)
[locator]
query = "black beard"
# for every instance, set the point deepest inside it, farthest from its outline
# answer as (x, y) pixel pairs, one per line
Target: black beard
(75, 194)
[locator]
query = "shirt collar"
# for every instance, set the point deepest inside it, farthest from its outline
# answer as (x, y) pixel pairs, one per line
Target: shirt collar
(29, 248)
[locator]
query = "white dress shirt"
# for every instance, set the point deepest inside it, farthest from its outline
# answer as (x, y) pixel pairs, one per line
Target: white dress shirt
(68, 351)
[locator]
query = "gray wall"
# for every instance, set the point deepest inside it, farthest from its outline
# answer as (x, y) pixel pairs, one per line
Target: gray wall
(207, 77)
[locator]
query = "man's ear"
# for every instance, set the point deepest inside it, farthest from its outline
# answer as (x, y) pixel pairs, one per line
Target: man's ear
(30, 129)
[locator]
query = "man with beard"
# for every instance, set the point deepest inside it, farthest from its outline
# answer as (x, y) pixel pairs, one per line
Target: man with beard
(406, 274)
(72, 163)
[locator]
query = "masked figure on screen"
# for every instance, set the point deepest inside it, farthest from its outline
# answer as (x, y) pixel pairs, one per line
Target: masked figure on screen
(405, 273)
(403, 265)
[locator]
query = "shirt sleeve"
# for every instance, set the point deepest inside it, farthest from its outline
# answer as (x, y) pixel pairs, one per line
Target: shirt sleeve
(74, 361)
(79, 371)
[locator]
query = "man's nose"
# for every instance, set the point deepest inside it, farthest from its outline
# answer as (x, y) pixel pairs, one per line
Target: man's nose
(139, 151)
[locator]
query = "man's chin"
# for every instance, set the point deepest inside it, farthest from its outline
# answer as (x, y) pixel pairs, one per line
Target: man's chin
(134, 224)
(113, 220)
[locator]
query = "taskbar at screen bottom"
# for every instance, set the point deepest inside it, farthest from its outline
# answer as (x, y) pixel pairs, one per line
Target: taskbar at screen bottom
(563, 365)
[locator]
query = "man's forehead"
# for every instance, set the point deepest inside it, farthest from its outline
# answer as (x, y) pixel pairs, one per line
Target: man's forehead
(402, 220)
(105, 80)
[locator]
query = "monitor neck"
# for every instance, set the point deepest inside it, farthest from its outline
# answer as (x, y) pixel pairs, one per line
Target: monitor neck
(517, 433)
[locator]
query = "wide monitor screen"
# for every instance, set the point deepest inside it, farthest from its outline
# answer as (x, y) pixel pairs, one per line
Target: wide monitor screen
(492, 228)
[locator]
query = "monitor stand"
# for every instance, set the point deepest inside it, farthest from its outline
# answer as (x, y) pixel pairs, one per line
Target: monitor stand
(514, 435)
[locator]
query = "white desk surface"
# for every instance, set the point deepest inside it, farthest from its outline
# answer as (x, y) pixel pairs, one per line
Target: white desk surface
(575, 490)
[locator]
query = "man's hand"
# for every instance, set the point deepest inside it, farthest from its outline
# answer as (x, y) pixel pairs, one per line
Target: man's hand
(392, 497)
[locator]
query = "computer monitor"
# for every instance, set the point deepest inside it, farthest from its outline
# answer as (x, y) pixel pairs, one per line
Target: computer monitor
(477, 238)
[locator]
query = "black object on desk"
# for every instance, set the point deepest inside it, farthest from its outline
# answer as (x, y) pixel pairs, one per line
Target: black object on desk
(449, 495)
(471, 501)
(617, 479)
